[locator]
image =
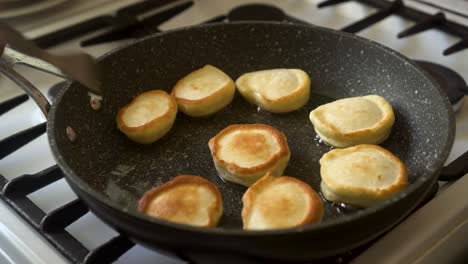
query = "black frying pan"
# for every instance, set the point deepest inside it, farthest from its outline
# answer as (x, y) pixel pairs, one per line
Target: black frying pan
(110, 172)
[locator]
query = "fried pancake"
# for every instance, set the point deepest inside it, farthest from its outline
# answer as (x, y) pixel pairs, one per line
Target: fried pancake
(204, 91)
(363, 175)
(244, 153)
(276, 90)
(280, 202)
(352, 121)
(148, 117)
(186, 199)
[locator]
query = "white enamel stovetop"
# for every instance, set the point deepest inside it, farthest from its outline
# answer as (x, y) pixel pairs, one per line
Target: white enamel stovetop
(435, 232)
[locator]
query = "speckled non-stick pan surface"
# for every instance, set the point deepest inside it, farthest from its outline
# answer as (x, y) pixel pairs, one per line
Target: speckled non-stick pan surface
(115, 171)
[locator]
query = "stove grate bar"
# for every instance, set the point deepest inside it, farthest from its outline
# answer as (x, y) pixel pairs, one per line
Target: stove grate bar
(52, 225)
(29, 183)
(109, 251)
(215, 19)
(97, 23)
(374, 18)
(18, 140)
(430, 22)
(330, 3)
(447, 26)
(63, 241)
(63, 216)
(12, 103)
(142, 7)
(128, 27)
(461, 45)
(3, 182)
(73, 31)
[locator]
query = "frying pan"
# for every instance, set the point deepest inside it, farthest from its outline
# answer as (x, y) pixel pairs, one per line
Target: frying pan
(110, 173)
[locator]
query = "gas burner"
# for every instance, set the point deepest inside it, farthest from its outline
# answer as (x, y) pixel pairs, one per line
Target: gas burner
(258, 12)
(450, 81)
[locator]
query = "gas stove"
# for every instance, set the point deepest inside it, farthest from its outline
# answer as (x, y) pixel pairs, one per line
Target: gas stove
(43, 222)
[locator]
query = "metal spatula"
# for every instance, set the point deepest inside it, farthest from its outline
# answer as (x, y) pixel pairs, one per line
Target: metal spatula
(16, 49)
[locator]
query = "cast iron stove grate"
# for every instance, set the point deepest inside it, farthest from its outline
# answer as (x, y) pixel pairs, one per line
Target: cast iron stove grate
(133, 22)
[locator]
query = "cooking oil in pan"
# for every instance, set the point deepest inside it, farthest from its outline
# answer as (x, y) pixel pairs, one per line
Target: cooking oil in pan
(319, 141)
(345, 208)
(340, 208)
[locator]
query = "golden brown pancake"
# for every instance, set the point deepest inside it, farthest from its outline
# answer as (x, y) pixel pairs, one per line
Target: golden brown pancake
(204, 91)
(244, 153)
(363, 175)
(280, 202)
(352, 121)
(148, 117)
(186, 199)
(276, 90)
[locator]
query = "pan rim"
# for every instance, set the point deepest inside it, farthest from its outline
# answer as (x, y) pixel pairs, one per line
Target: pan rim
(427, 176)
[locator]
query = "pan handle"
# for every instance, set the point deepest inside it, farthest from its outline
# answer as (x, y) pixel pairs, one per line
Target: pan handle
(7, 69)
(15, 57)
(456, 169)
